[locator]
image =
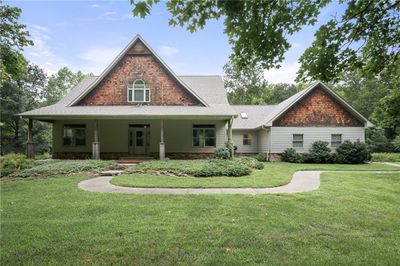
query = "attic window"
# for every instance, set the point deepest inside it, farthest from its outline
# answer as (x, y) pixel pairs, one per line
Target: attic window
(243, 115)
(139, 92)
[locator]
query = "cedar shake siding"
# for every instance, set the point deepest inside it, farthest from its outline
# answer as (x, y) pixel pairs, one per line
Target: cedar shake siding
(317, 109)
(139, 63)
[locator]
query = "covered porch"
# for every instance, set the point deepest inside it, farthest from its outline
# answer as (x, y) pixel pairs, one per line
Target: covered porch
(116, 138)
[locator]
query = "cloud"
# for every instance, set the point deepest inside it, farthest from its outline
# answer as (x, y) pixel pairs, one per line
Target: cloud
(96, 59)
(166, 50)
(94, 5)
(285, 74)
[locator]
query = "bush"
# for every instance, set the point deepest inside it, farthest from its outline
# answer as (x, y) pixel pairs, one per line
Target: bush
(292, 156)
(396, 143)
(250, 162)
(238, 170)
(13, 162)
(222, 153)
(319, 153)
(386, 157)
(377, 141)
(353, 152)
(261, 157)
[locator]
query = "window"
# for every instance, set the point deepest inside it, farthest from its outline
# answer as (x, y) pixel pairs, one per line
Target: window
(243, 115)
(247, 139)
(203, 135)
(336, 140)
(74, 135)
(297, 140)
(139, 92)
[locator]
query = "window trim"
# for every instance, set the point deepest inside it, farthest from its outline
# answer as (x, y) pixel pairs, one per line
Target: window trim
(338, 143)
(249, 139)
(145, 89)
(203, 128)
(298, 141)
(73, 140)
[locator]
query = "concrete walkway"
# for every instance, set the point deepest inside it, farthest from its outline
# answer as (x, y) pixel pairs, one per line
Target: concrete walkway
(302, 181)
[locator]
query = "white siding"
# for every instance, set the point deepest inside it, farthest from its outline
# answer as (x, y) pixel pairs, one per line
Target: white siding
(237, 138)
(263, 140)
(113, 135)
(282, 137)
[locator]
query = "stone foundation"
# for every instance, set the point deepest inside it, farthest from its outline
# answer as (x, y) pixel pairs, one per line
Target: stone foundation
(88, 155)
(275, 157)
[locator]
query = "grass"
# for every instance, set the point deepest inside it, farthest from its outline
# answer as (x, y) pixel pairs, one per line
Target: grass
(386, 157)
(353, 219)
(273, 174)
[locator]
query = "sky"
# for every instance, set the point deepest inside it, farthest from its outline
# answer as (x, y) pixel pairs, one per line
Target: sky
(87, 36)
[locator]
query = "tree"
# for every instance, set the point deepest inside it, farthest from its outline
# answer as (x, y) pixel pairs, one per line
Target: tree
(258, 30)
(60, 84)
(366, 37)
(13, 37)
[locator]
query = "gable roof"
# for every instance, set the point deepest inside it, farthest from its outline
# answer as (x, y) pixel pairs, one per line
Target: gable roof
(120, 56)
(286, 104)
(209, 88)
(255, 114)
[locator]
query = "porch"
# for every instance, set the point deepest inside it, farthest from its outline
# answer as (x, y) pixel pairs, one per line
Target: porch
(129, 138)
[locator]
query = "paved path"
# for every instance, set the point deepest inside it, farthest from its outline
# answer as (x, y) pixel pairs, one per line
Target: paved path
(302, 181)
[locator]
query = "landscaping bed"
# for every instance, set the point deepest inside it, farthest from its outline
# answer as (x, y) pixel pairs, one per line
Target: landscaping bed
(386, 157)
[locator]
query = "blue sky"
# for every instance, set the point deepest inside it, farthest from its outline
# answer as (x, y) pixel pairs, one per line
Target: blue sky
(87, 35)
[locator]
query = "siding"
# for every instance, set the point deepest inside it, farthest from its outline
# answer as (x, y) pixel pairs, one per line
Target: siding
(263, 140)
(282, 137)
(237, 138)
(113, 135)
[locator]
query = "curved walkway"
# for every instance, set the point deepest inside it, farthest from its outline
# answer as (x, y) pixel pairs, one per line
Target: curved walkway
(302, 181)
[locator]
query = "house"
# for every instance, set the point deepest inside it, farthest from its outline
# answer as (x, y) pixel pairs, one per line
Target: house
(139, 107)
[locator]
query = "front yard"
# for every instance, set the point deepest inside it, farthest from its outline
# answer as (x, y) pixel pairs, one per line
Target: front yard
(353, 218)
(273, 174)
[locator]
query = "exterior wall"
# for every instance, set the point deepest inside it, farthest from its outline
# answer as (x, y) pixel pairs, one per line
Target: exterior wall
(318, 108)
(282, 137)
(113, 137)
(260, 141)
(139, 63)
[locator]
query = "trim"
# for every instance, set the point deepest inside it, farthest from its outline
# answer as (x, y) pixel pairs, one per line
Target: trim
(145, 89)
(119, 57)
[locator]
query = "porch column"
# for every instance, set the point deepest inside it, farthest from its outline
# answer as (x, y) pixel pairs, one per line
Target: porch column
(96, 143)
(30, 146)
(232, 151)
(162, 144)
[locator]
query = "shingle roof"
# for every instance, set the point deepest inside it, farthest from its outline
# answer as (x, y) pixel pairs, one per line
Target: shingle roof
(255, 114)
(209, 88)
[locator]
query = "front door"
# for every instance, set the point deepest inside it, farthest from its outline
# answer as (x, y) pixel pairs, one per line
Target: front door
(137, 140)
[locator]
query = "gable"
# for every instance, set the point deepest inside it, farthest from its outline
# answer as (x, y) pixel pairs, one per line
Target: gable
(317, 108)
(139, 62)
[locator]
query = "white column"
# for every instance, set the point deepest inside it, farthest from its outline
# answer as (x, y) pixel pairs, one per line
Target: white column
(232, 151)
(162, 144)
(96, 144)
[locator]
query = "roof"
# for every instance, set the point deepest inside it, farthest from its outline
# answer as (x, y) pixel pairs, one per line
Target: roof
(104, 74)
(209, 88)
(286, 104)
(255, 114)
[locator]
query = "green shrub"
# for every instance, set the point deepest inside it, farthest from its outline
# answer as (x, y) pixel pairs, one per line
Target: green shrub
(353, 152)
(396, 143)
(386, 157)
(292, 156)
(44, 156)
(261, 157)
(377, 141)
(319, 153)
(13, 162)
(250, 162)
(237, 170)
(222, 153)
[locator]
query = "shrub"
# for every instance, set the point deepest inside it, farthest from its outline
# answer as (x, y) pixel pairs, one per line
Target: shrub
(261, 157)
(250, 162)
(291, 155)
(396, 143)
(377, 141)
(222, 153)
(237, 170)
(319, 153)
(386, 157)
(13, 162)
(353, 152)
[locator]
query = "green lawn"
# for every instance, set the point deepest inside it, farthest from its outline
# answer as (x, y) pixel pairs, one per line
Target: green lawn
(273, 174)
(353, 218)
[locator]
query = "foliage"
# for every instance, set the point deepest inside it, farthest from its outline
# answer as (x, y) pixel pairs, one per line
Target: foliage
(396, 143)
(257, 30)
(250, 162)
(377, 141)
(13, 38)
(13, 162)
(292, 156)
(353, 152)
(222, 153)
(261, 157)
(385, 157)
(199, 168)
(63, 167)
(351, 42)
(319, 153)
